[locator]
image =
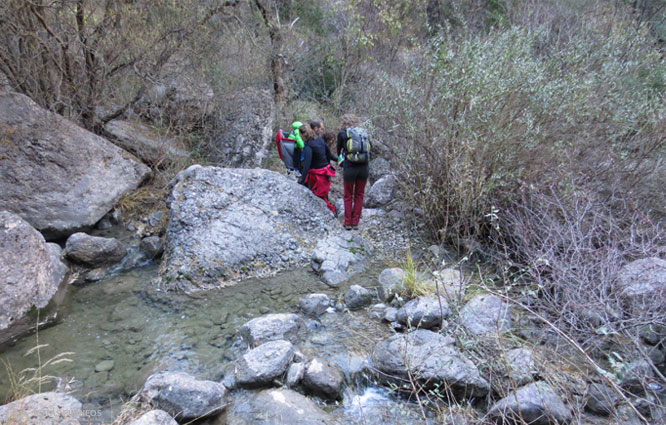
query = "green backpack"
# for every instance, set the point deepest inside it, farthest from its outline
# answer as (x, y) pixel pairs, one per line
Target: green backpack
(357, 146)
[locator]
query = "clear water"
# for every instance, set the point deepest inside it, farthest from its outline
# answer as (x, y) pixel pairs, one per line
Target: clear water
(125, 320)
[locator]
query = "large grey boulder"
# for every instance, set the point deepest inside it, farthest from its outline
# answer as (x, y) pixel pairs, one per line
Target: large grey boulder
(643, 278)
(183, 396)
(261, 365)
(536, 404)
(229, 224)
(424, 312)
(30, 273)
(432, 359)
(381, 192)
(43, 409)
(94, 251)
(147, 143)
(322, 378)
(278, 406)
(486, 314)
(155, 417)
(243, 129)
(57, 176)
(337, 257)
(271, 327)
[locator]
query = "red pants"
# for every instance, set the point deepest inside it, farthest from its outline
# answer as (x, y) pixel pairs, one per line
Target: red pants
(354, 192)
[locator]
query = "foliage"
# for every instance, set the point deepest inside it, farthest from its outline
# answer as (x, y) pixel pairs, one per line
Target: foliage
(71, 56)
(487, 117)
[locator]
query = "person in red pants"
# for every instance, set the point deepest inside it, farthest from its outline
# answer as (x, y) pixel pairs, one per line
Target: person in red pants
(353, 150)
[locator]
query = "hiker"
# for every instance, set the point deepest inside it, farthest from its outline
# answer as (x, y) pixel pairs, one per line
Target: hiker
(353, 149)
(317, 126)
(299, 144)
(316, 168)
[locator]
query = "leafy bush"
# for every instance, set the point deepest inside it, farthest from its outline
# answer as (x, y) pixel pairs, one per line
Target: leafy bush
(484, 118)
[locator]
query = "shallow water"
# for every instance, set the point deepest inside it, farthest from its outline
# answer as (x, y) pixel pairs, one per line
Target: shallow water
(125, 320)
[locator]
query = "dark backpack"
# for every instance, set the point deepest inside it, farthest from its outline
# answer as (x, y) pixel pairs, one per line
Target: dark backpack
(357, 146)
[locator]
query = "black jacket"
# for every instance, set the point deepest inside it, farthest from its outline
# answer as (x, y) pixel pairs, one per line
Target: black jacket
(317, 154)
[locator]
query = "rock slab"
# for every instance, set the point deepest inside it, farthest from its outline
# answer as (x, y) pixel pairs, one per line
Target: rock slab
(486, 314)
(271, 327)
(423, 312)
(229, 224)
(57, 176)
(183, 396)
(279, 406)
(43, 409)
(94, 251)
(337, 257)
(30, 272)
(535, 403)
(432, 359)
(263, 364)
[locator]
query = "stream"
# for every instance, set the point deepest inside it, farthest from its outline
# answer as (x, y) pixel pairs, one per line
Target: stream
(110, 336)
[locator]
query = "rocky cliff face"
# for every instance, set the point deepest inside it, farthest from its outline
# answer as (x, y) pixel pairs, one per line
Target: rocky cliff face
(57, 176)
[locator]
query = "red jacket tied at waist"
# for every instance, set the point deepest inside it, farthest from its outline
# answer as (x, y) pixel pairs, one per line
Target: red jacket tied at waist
(319, 180)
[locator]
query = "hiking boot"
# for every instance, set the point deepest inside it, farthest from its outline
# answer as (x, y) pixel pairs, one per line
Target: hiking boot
(347, 227)
(354, 227)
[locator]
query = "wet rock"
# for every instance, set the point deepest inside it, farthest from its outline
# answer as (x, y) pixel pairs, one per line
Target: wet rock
(152, 246)
(43, 409)
(381, 192)
(104, 366)
(601, 399)
(423, 312)
(57, 176)
(337, 257)
(230, 224)
(31, 272)
(278, 406)
(94, 251)
(149, 144)
(485, 314)
(432, 359)
(271, 327)
(644, 277)
(314, 304)
(295, 374)
(322, 378)
(243, 130)
(521, 366)
(155, 417)
(264, 363)
(357, 297)
(535, 403)
(390, 283)
(183, 396)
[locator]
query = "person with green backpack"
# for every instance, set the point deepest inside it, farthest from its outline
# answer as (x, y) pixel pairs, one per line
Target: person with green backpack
(353, 149)
(299, 145)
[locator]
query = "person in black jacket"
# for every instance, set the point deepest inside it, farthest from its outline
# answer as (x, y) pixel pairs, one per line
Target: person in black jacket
(355, 176)
(316, 168)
